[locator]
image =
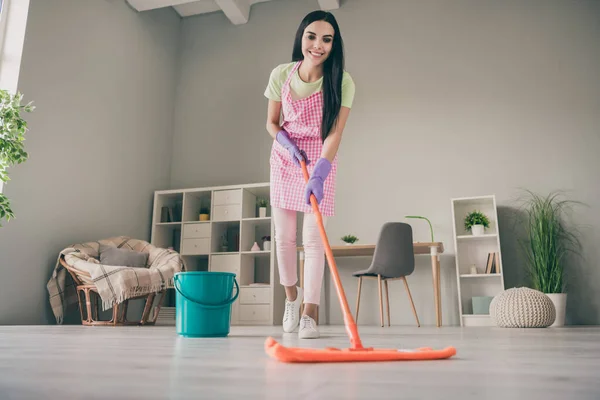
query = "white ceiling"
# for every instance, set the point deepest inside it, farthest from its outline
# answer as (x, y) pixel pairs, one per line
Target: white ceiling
(238, 11)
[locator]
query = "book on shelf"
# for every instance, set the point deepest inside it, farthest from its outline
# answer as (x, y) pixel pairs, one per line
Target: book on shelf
(493, 263)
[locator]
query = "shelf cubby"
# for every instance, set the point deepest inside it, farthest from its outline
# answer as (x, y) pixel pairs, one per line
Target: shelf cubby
(260, 265)
(168, 207)
(471, 288)
(475, 253)
(253, 230)
(225, 237)
(226, 205)
(194, 202)
(196, 262)
(250, 197)
(463, 206)
(167, 235)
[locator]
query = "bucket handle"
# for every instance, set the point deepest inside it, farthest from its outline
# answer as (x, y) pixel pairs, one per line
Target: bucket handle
(211, 306)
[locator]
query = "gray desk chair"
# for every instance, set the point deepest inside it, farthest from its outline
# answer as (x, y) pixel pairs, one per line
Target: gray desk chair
(393, 259)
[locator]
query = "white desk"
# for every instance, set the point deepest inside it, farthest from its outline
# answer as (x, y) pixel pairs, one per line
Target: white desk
(434, 249)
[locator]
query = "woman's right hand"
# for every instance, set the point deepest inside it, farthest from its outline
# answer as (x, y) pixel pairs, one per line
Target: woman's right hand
(297, 155)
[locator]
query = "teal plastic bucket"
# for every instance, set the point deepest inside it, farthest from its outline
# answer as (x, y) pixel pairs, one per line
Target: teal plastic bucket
(203, 303)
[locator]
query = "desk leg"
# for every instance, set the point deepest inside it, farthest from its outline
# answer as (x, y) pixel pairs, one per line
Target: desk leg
(327, 286)
(301, 254)
(439, 289)
(436, 284)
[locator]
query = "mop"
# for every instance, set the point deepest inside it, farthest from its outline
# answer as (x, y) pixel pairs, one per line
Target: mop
(357, 352)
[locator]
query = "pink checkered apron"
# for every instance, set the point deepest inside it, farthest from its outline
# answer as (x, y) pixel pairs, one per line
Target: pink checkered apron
(302, 120)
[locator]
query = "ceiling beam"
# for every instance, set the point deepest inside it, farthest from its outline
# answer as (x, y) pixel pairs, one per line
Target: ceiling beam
(329, 4)
(238, 11)
(145, 5)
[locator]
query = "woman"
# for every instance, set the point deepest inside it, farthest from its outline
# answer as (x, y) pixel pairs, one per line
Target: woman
(315, 95)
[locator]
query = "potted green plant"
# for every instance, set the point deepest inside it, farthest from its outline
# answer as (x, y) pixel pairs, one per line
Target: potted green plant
(349, 239)
(204, 214)
(547, 243)
(262, 207)
(476, 222)
(12, 136)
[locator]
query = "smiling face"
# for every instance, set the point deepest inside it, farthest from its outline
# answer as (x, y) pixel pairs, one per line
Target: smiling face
(317, 42)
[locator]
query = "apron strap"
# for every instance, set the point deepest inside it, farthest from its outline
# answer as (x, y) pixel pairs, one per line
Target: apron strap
(289, 78)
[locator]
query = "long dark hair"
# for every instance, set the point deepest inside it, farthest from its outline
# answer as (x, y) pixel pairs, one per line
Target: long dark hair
(333, 68)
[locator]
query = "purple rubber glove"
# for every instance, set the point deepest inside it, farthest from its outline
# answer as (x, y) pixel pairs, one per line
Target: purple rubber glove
(297, 155)
(316, 181)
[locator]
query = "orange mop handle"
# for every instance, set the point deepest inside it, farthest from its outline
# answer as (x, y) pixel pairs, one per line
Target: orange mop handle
(351, 328)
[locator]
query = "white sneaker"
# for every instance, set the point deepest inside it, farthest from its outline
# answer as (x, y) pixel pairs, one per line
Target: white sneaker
(308, 328)
(291, 316)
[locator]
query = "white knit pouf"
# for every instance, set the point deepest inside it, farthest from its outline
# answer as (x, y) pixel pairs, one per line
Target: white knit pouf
(522, 308)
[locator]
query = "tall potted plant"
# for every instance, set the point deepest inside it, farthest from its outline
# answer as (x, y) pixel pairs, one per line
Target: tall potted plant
(547, 243)
(12, 136)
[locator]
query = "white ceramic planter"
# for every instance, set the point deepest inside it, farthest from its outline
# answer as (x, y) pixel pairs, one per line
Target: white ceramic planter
(266, 245)
(477, 230)
(262, 212)
(560, 304)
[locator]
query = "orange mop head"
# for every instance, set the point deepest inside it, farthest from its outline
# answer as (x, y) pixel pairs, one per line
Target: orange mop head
(357, 352)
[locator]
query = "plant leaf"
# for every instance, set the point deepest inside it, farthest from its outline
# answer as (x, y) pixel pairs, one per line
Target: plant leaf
(12, 137)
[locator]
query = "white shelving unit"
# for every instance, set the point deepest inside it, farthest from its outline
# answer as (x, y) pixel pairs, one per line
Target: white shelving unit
(223, 243)
(473, 250)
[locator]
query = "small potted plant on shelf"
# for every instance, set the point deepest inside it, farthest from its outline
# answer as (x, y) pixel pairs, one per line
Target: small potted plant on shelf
(262, 207)
(204, 214)
(349, 239)
(476, 222)
(266, 243)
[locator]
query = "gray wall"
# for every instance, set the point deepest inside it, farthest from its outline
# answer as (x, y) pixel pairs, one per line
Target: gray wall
(102, 77)
(453, 99)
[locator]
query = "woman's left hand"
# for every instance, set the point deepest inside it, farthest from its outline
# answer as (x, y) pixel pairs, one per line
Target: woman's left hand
(317, 180)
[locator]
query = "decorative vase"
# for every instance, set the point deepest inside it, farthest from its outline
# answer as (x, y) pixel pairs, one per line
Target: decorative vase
(477, 230)
(560, 304)
(262, 212)
(203, 217)
(255, 247)
(267, 245)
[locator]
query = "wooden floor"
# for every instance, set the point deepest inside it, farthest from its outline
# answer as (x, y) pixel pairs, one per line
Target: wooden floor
(75, 362)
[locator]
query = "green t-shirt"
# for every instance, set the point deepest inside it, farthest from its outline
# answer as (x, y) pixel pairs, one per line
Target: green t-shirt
(301, 89)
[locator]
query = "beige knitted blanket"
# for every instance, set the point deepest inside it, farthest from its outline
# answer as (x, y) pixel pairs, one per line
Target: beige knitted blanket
(115, 284)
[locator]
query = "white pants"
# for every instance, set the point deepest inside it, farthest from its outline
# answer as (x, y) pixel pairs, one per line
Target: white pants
(314, 251)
